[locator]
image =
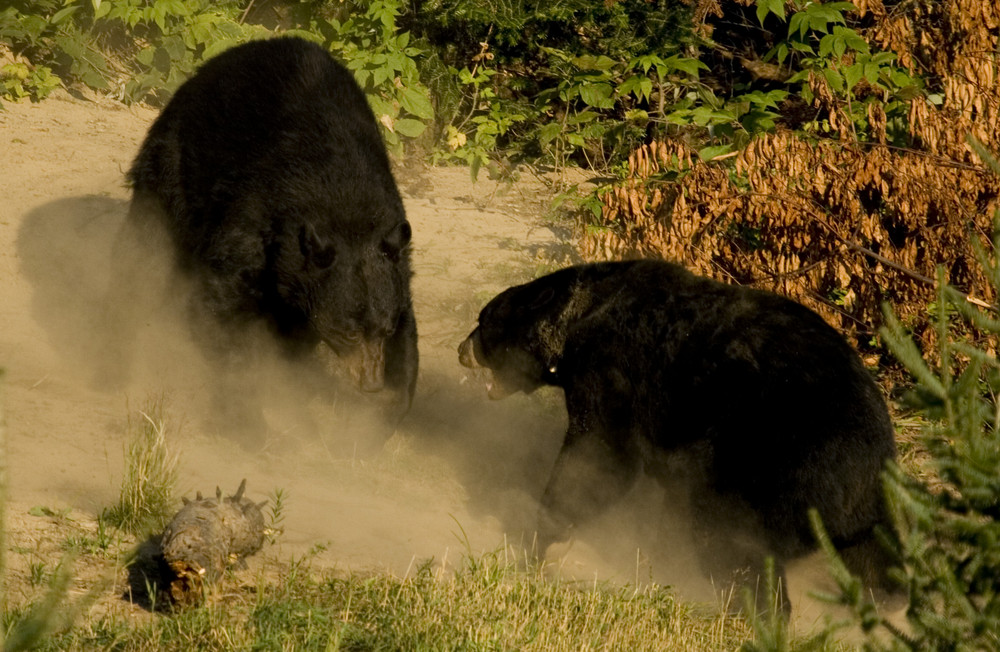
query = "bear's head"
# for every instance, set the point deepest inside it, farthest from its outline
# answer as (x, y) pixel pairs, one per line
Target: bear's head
(522, 332)
(348, 289)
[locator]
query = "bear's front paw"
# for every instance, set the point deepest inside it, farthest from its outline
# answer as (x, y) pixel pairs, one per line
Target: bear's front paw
(551, 530)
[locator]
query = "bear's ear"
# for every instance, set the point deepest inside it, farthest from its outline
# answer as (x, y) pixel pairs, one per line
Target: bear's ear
(543, 299)
(314, 249)
(397, 239)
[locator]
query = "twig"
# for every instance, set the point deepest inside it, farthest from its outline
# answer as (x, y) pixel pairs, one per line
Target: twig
(246, 11)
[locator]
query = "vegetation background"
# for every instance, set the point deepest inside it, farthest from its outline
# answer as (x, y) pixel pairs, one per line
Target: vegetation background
(818, 149)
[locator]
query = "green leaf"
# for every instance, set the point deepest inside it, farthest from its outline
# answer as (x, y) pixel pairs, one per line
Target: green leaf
(713, 151)
(145, 55)
(765, 7)
(380, 75)
(63, 15)
(834, 79)
(409, 127)
(900, 78)
(159, 17)
(217, 47)
(175, 46)
(645, 88)
(801, 75)
(396, 61)
(782, 51)
(757, 121)
(704, 116)
(871, 71)
(882, 58)
(90, 67)
(381, 108)
(582, 117)
(416, 102)
(797, 23)
(646, 61)
(596, 209)
(176, 7)
(854, 41)
(769, 99)
(597, 95)
(590, 62)
(839, 46)
(820, 16)
(762, 10)
(638, 85)
(684, 64)
(853, 74)
(549, 132)
(827, 44)
(805, 48)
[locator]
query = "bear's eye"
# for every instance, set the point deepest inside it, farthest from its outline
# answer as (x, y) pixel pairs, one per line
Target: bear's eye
(316, 250)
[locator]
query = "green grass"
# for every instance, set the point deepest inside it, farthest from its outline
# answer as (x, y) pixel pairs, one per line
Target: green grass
(146, 499)
(487, 603)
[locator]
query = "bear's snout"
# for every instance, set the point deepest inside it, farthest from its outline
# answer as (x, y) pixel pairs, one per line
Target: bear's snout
(467, 351)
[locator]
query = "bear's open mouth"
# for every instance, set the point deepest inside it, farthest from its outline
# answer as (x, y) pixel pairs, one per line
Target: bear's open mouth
(495, 389)
(470, 356)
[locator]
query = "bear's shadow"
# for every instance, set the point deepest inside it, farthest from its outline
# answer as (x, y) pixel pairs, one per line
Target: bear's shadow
(65, 254)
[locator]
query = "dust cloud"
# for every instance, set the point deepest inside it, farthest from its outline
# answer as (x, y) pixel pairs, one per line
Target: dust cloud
(461, 474)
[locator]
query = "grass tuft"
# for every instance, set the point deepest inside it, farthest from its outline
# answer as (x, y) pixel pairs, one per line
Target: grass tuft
(146, 497)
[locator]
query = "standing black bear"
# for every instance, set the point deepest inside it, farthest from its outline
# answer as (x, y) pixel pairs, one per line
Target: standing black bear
(268, 176)
(770, 408)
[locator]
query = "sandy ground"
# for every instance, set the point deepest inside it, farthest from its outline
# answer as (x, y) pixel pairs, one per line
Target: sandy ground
(461, 473)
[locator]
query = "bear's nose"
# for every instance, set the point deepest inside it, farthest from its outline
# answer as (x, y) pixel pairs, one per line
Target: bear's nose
(467, 353)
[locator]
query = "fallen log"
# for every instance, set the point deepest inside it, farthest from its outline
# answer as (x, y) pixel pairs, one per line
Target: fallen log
(207, 536)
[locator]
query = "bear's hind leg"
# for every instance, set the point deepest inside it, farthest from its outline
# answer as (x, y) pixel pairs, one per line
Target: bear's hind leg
(733, 552)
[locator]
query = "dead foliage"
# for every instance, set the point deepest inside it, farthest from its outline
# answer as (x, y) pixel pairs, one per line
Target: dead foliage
(838, 224)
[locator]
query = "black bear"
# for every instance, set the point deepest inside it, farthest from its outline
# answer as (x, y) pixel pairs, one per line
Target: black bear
(768, 407)
(269, 179)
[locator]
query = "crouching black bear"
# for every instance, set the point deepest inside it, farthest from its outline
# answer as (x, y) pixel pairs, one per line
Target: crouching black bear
(770, 409)
(270, 181)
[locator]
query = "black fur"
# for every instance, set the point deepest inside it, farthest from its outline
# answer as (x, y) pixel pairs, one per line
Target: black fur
(271, 179)
(770, 409)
